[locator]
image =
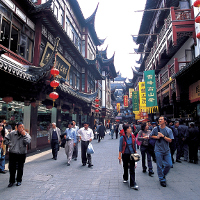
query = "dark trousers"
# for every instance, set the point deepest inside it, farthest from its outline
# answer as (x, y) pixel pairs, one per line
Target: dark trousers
(54, 147)
(172, 147)
(99, 138)
(75, 152)
(116, 134)
(193, 152)
(16, 160)
(145, 151)
(126, 160)
(179, 146)
(84, 155)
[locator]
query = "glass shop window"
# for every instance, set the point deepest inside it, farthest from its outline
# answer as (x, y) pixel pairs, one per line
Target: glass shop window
(83, 82)
(5, 33)
(14, 39)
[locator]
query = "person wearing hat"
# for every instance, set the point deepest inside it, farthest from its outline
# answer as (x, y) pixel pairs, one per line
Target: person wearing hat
(86, 135)
(70, 136)
(54, 139)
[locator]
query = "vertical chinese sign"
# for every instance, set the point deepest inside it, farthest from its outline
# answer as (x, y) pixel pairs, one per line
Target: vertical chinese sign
(131, 90)
(125, 100)
(135, 101)
(118, 107)
(150, 87)
(142, 94)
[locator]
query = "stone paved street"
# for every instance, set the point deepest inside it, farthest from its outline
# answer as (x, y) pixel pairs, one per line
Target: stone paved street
(45, 178)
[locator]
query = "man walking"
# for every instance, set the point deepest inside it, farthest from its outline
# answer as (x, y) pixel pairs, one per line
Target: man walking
(86, 136)
(54, 139)
(75, 152)
(17, 142)
(70, 136)
(112, 129)
(163, 136)
(101, 130)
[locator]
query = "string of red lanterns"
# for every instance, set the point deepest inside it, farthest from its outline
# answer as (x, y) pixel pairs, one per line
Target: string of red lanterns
(97, 104)
(197, 20)
(54, 84)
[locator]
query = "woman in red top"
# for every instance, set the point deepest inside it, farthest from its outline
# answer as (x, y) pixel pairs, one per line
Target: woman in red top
(126, 148)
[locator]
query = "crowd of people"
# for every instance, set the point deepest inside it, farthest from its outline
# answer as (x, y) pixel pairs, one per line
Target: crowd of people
(158, 141)
(163, 142)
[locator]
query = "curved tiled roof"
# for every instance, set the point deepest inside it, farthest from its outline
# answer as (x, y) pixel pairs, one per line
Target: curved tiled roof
(27, 72)
(68, 90)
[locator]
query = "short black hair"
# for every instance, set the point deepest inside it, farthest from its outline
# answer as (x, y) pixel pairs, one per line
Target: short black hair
(143, 125)
(86, 123)
(73, 120)
(19, 123)
(70, 123)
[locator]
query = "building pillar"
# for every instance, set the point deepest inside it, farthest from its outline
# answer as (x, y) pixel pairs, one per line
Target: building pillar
(33, 126)
(59, 117)
(53, 115)
(27, 117)
(103, 90)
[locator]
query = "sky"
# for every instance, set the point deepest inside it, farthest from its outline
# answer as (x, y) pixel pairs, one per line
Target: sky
(116, 21)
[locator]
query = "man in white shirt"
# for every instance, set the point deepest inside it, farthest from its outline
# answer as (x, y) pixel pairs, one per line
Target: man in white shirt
(86, 135)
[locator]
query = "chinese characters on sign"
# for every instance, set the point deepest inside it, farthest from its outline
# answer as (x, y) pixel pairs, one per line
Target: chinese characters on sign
(61, 63)
(131, 90)
(135, 101)
(150, 86)
(118, 107)
(125, 100)
(142, 93)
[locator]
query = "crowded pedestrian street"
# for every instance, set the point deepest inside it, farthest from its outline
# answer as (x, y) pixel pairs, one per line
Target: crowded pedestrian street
(45, 178)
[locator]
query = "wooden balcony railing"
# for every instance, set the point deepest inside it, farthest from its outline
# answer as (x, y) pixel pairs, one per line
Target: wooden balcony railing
(178, 21)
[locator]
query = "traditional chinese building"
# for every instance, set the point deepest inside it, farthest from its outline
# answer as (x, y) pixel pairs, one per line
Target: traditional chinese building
(35, 37)
(167, 42)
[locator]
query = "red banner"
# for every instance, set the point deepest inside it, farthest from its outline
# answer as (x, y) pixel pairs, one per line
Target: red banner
(125, 100)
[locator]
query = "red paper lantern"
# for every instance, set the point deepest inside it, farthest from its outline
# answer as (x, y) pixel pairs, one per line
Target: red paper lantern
(197, 3)
(197, 20)
(97, 100)
(54, 84)
(198, 35)
(7, 99)
(96, 110)
(53, 95)
(54, 72)
(96, 105)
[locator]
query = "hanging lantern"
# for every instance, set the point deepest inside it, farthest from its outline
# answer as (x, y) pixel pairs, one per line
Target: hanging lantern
(197, 3)
(54, 72)
(96, 111)
(96, 105)
(198, 35)
(97, 100)
(53, 95)
(197, 20)
(7, 99)
(54, 84)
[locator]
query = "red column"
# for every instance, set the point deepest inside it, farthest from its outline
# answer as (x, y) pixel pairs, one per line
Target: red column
(38, 37)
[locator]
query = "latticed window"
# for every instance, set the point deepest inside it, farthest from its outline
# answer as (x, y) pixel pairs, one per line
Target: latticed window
(164, 77)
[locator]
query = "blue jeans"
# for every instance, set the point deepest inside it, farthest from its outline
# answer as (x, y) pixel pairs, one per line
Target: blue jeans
(2, 163)
(164, 163)
(112, 133)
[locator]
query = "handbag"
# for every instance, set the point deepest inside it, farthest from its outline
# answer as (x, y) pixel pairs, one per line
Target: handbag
(63, 143)
(90, 149)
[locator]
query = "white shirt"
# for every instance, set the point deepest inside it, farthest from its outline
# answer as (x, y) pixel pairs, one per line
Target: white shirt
(86, 135)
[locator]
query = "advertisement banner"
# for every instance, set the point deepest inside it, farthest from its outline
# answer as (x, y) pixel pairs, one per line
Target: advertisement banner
(135, 100)
(118, 107)
(125, 100)
(150, 87)
(142, 95)
(131, 90)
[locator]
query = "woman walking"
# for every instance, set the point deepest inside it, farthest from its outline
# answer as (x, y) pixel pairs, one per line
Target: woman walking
(143, 135)
(126, 148)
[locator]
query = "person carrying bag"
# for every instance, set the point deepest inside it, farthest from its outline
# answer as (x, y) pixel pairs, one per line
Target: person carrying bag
(126, 151)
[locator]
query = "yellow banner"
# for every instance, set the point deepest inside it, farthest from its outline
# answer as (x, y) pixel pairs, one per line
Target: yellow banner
(131, 90)
(118, 107)
(142, 95)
